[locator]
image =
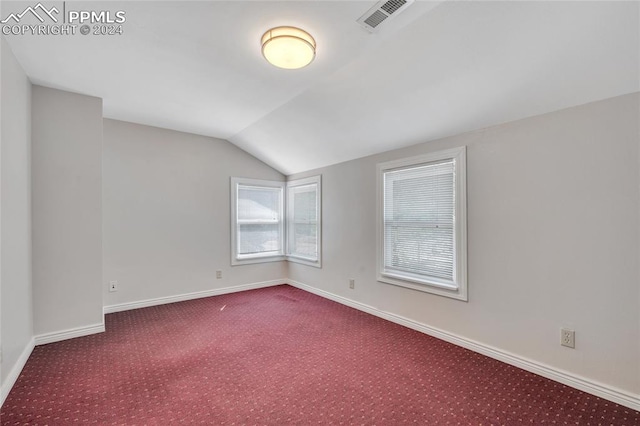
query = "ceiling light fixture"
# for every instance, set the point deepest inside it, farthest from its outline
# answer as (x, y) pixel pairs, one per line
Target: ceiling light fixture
(288, 47)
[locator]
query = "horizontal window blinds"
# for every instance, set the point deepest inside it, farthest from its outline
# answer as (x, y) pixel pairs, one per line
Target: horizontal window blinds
(303, 221)
(419, 221)
(259, 211)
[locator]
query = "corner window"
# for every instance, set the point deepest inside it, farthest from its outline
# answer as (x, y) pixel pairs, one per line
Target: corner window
(422, 223)
(257, 221)
(303, 221)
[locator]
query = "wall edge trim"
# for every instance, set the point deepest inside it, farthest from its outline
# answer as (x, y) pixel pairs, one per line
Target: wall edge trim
(15, 371)
(71, 333)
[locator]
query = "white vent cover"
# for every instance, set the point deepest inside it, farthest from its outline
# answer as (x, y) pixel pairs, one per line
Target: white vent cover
(381, 12)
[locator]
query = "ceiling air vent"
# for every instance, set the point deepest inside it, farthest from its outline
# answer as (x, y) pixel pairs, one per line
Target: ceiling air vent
(381, 12)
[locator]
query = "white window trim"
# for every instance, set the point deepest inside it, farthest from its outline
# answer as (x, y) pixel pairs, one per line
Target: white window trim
(431, 285)
(302, 182)
(260, 257)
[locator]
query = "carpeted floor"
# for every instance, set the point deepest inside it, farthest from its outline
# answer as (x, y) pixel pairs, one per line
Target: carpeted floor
(280, 356)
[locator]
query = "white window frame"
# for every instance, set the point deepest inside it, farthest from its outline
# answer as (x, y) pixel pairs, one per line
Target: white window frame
(317, 180)
(273, 256)
(458, 288)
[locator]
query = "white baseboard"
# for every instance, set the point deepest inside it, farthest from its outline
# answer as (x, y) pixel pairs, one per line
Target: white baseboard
(15, 371)
(56, 336)
(598, 389)
(189, 296)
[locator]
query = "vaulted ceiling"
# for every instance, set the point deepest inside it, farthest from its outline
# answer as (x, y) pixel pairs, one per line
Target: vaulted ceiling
(437, 69)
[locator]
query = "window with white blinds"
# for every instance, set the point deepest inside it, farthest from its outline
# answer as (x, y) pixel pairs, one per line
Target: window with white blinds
(303, 220)
(422, 229)
(257, 220)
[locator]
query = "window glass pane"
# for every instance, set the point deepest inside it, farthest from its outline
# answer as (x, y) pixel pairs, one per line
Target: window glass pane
(304, 203)
(258, 204)
(420, 250)
(258, 238)
(304, 240)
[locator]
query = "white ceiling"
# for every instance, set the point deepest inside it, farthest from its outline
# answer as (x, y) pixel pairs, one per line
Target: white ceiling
(437, 69)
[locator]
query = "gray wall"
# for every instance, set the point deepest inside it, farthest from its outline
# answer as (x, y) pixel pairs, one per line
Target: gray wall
(67, 217)
(166, 213)
(15, 211)
(553, 234)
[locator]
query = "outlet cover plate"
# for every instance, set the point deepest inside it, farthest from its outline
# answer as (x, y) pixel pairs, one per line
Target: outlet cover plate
(568, 338)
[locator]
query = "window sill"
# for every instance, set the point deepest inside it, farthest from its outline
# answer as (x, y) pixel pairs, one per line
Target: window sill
(303, 261)
(257, 259)
(440, 289)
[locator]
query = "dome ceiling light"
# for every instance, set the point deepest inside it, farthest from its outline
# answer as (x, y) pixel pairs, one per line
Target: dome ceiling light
(288, 47)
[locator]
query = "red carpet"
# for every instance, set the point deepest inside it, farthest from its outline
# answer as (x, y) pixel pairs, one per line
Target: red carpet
(280, 356)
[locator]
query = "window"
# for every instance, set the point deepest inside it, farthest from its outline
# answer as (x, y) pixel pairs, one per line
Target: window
(257, 222)
(303, 221)
(422, 223)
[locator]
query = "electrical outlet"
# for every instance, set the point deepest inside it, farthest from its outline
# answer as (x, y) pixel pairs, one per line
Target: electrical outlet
(218, 274)
(567, 338)
(113, 286)
(352, 283)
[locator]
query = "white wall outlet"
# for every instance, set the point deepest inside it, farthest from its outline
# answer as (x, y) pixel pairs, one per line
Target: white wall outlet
(567, 338)
(113, 286)
(352, 283)
(218, 274)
